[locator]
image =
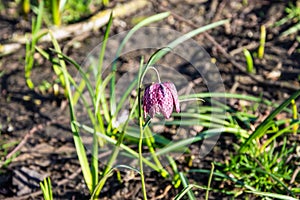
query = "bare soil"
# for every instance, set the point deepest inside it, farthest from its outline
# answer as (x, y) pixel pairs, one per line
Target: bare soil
(39, 121)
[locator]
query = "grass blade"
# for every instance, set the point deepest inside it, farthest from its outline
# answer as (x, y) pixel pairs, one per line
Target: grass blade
(262, 42)
(145, 22)
(80, 70)
(185, 37)
(185, 184)
(249, 61)
(99, 74)
(76, 136)
(272, 195)
(123, 146)
(279, 133)
(30, 45)
(225, 176)
(260, 130)
(209, 180)
(187, 189)
(295, 116)
(183, 143)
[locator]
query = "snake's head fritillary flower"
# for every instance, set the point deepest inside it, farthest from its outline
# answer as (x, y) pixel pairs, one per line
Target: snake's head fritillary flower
(160, 98)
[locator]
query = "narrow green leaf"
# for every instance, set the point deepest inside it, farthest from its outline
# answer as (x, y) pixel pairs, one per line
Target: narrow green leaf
(99, 69)
(82, 73)
(187, 189)
(38, 24)
(233, 96)
(185, 184)
(249, 60)
(100, 94)
(184, 143)
(123, 146)
(145, 22)
(76, 136)
(273, 195)
(262, 42)
(223, 175)
(291, 30)
(185, 37)
(212, 119)
(277, 134)
(260, 130)
(30, 44)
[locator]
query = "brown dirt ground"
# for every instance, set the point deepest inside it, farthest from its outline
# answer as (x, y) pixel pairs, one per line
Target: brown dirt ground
(50, 151)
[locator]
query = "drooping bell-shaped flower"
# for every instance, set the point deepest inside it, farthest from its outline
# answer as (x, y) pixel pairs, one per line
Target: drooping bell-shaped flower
(160, 98)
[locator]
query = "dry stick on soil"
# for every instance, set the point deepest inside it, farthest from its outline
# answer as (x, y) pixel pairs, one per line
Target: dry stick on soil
(294, 175)
(60, 183)
(24, 140)
(94, 23)
(22, 143)
(237, 65)
(28, 134)
(220, 8)
(78, 171)
(39, 192)
(242, 68)
(293, 48)
(17, 148)
(164, 193)
(28, 196)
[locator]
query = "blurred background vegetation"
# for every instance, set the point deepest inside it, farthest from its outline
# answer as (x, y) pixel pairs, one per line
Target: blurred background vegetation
(57, 12)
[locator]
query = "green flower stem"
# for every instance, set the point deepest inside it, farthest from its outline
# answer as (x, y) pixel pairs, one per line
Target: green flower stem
(140, 80)
(156, 71)
(141, 155)
(149, 142)
(145, 22)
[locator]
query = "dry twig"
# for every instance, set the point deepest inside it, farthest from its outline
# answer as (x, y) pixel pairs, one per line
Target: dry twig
(94, 23)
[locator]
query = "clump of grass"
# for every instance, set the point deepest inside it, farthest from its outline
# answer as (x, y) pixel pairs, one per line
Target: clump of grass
(47, 189)
(103, 113)
(60, 12)
(293, 16)
(57, 7)
(261, 163)
(31, 44)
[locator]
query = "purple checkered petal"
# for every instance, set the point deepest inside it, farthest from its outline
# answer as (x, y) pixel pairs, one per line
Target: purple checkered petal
(173, 91)
(149, 101)
(160, 98)
(165, 101)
